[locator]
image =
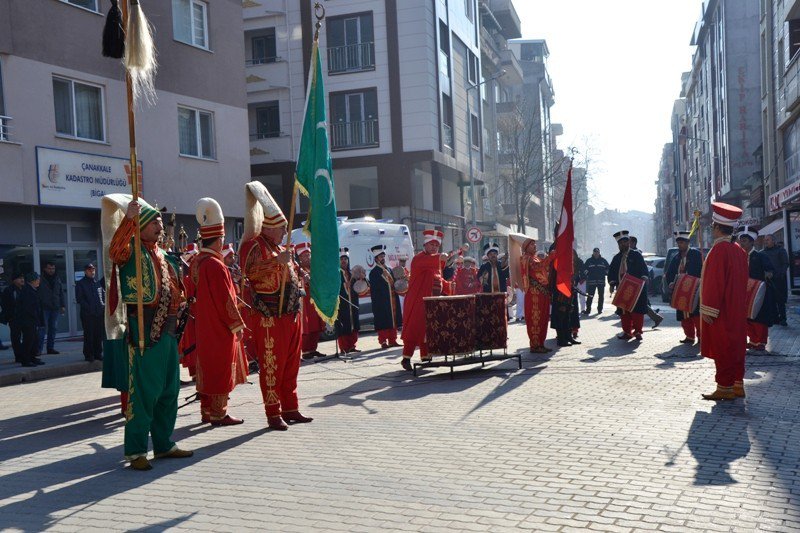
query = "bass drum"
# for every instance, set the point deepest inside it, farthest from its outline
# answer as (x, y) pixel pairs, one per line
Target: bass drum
(361, 287)
(358, 272)
(399, 273)
(401, 286)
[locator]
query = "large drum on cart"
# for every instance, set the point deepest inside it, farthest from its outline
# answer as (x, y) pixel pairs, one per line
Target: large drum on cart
(491, 321)
(450, 324)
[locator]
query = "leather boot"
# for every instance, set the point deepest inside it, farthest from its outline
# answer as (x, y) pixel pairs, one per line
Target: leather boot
(406, 363)
(175, 453)
(722, 393)
(294, 417)
(738, 389)
(276, 423)
(141, 463)
(227, 420)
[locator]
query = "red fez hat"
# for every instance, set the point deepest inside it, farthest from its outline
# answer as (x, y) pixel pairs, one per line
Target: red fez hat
(725, 214)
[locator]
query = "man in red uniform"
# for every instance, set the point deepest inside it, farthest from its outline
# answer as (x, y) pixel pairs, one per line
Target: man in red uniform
(312, 323)
(425, 280)
(536, 284)
(188, 342)
(276, 322)
(723, 305)
(466, 280)
(218, 324)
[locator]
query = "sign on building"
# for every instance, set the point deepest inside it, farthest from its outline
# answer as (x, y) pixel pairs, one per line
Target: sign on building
(783, 196)
(75, 179)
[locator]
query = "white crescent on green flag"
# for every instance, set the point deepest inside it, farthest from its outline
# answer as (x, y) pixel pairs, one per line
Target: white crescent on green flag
(314, 177)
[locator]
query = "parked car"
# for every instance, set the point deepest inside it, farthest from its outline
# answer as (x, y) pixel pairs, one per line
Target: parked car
(655, 269)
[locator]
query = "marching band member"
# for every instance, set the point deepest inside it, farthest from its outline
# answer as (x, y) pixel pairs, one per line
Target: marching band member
(312, 323)
(425, 280)
(536, 286)
(629, 261)
(493, 275)
(688, 261)
(154, 375)
(402, 260)
(723, 305)
(188, 342)
(347, 322)
(276, 322)
(218, 324)
(466, 281)
(760, 268)
(385, 301)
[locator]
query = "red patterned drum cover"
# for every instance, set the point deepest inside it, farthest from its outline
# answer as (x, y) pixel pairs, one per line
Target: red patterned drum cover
(450, 324)
(756, 290)
(491, 321)
(686, 294)
(628, 292)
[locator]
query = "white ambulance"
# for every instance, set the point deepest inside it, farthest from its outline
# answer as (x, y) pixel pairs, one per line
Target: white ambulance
(359, 235)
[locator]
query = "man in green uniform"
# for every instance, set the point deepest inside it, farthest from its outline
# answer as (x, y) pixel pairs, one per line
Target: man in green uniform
(153, 376)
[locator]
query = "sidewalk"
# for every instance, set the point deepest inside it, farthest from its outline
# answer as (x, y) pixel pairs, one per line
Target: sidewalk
(69, 362)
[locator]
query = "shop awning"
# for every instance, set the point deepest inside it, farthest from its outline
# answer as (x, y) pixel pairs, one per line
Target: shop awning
(772, 227)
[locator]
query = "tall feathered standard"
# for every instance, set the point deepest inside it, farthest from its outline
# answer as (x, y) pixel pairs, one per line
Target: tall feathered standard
(140, 54)
(114, 33)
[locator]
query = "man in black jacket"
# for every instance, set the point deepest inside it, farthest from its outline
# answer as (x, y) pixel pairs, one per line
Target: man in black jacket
(596, 268)
(90, 295)
(30, 318)
(760, 268)
(780, 262)
(9, 315)
(51, 295)
(493, 274)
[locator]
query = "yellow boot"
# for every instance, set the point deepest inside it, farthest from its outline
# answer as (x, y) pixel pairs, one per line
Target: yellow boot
(722, 393)
(141, 463)
(738, 389)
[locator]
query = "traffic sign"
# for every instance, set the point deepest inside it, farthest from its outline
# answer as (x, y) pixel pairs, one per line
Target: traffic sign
(474, 235)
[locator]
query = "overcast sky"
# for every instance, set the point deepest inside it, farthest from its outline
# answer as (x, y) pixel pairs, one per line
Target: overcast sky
(616, 67)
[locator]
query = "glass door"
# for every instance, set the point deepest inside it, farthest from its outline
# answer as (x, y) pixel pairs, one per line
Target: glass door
(80, 257)
(58, 257)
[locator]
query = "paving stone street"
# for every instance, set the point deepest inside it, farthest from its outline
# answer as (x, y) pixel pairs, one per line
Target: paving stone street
(605, 436)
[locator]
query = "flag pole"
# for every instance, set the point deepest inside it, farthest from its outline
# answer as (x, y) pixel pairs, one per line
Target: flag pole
(319, 13)
(699, 232)
(137, 238)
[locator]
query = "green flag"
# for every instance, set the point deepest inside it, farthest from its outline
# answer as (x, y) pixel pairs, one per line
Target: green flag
(314, 177)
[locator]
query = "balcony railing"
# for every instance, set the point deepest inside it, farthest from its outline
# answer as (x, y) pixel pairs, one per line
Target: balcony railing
(358, 134)
(351, 58)
(265, 135)
(261, 61)
(4, 127)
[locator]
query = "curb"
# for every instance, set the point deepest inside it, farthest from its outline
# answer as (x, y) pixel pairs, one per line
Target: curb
(25, 375)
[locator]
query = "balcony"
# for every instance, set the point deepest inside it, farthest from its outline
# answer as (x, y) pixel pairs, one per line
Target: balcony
(354, 135)
(351, 58)
(5, 128)
(265, 75)
(270, 147)
(506, 15)
(257, 11)
(511, 64)
(791, 85)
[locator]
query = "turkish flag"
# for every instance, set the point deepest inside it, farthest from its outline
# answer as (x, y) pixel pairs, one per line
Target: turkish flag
(566, 236)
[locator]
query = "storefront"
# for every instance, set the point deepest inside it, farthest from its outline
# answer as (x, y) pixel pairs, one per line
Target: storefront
(787, 203)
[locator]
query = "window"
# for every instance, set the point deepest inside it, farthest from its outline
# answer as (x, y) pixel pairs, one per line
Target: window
(468, 9)
(351, 43)
(79, 109)
(794, 37)
(472, 68)
(444, 50)
(354, 119)
(475, 132)
(264, 48)
(447, 122)
(196, 133)
(268, 120)
(91, 5)
(190, 22)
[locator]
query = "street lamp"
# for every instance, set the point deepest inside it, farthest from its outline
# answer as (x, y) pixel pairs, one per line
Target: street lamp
(469, 141)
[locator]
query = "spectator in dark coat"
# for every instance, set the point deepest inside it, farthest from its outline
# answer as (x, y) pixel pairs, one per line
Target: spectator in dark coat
(91, 295)
(780, 262)
(51, 295)
(31, 319)
(9, 314)
(595, 270)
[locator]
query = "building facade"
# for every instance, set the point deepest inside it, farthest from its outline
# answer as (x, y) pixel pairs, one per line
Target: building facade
(405, 130)
(780, 105)
(64, 128)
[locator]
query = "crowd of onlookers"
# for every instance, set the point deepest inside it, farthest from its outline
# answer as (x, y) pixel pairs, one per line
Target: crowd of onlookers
(32, 304)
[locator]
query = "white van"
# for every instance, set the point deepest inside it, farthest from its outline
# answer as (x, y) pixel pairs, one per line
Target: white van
(359, 235)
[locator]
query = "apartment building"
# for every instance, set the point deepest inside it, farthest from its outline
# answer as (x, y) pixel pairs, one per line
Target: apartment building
(64, 127)
(664, 204)
(723, 116)
(780, 107)
(403, 134)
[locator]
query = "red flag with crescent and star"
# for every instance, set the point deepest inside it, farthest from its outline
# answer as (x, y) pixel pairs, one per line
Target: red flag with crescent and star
(566, 236)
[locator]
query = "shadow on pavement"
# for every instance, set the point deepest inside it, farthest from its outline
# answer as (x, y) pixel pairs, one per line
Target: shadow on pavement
(21, 436)
(101, 475)
(613, 347)
(718, 438)
(163, 526)
(680, 352)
